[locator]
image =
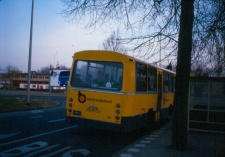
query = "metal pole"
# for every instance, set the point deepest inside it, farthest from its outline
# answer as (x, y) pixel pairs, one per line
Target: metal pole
(49, 83)
(30, 54)
(189, 105)
(160, 59)
(209, 83)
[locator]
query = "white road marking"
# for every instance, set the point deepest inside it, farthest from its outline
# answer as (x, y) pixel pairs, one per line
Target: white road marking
(19, 113)
(18, 151)
(157, 133)
(3, 136)
(56, 152)
(161, 130)
(38, 135)
(154, 135)
(149, 138)
(126, 155)
(84, 152)
(57, 120)
(42, 150)
(37, 111)
(36, 117)
(140, 145)
(133, 150)
(144, 141)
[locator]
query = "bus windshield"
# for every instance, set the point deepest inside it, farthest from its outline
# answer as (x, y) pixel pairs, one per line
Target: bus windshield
(97, 74)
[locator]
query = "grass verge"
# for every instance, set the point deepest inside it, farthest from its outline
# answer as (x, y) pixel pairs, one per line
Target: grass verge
(19, 104)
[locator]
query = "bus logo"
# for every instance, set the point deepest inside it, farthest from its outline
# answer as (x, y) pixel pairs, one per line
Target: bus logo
(81, 97)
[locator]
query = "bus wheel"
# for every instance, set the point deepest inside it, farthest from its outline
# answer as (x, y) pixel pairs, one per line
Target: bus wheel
(170, 112)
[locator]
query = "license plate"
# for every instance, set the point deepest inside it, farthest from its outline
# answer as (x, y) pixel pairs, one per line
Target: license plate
(78, 113)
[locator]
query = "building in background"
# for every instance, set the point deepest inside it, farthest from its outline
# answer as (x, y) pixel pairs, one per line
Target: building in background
(18, 80)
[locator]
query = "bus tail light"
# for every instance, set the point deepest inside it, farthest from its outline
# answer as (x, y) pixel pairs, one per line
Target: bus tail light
(117, 111)
(70, 99)
(118, 105)
(70, 105)
(117, 117)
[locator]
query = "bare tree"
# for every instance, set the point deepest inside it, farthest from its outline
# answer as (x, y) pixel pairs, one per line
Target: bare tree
(179, 129)
(11, 72)
(45, 69)
(165, 26)
(10, 68)
(211, 62)
(113, 43)
(209, 36)
(63, 67)
(218, 59)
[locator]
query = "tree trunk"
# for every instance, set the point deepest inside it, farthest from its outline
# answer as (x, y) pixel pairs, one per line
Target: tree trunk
(179, 128)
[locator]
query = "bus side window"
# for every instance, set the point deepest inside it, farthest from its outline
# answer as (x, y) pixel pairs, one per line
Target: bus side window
(141, 77)
(152, 79)
(168, 82)
(165, 82)
(171, 84)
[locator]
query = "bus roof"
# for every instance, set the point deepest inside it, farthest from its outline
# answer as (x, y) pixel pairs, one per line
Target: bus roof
(115, 56)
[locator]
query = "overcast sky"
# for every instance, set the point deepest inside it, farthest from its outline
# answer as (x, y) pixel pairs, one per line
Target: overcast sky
(54, 38)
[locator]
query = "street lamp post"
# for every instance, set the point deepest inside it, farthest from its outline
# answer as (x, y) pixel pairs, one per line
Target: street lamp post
(160, 57)
(30, 54)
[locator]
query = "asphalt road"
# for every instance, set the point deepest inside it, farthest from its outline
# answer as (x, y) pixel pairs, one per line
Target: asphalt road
(46, 133)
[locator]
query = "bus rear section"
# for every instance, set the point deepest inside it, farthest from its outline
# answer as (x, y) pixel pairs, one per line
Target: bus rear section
(94, 96)
(96, 109)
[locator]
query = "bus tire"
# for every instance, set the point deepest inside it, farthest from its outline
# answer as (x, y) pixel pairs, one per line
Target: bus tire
(150, 119)
(170, 111)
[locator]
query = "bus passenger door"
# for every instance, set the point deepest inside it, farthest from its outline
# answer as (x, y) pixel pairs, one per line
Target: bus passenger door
(159, 97)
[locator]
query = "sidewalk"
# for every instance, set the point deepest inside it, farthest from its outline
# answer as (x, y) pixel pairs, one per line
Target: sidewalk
(156, 144)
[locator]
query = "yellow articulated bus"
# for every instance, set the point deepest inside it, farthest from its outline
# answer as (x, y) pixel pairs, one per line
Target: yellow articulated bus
(113, 91)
